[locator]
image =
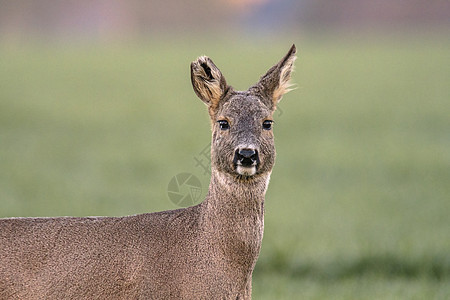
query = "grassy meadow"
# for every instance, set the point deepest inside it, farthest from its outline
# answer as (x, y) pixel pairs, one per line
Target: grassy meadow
(359, 202)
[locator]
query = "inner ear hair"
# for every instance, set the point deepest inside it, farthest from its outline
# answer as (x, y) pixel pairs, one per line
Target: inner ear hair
(276, 82)
(208, 82)
(284, 85)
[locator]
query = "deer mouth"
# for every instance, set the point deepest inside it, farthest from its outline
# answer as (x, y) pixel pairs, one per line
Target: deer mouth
(246, 161)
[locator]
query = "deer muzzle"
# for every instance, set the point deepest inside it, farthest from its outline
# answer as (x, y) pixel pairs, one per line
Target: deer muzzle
(246, 160)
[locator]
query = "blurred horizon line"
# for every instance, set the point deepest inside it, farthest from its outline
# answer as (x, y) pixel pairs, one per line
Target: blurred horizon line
(102, 20)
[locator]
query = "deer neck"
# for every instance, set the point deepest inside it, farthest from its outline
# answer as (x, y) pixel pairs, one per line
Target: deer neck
(233, 212)
(236, 197)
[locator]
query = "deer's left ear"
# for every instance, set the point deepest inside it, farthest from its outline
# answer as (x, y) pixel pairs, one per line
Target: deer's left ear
(208, 82)
(276, 82)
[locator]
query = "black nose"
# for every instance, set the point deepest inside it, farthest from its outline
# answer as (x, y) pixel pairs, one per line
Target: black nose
(246, 157)
(247, 153)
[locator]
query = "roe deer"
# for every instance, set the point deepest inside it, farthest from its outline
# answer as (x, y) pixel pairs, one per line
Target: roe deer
(207, 251)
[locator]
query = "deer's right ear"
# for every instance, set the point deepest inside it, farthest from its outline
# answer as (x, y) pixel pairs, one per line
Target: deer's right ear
(276, 82)
(207, 81)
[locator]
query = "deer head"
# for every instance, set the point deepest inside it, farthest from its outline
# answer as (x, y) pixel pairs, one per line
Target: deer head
(242, 137)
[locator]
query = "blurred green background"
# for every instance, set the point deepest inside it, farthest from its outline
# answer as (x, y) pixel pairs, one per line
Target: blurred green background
(97, 117)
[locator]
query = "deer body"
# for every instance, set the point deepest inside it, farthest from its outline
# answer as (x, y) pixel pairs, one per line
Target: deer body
(206, 251)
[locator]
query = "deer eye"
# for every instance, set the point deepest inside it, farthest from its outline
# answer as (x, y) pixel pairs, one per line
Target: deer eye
(267, 124)
(224, 125)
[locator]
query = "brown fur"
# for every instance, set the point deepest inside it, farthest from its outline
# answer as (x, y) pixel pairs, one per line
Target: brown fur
(206, 251)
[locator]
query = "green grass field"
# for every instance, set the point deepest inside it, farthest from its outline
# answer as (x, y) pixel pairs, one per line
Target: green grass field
(359, 202)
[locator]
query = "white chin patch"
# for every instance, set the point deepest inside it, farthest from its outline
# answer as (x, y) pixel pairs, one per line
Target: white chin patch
(246, 171)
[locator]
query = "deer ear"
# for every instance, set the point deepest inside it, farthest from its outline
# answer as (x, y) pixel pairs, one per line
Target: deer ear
(207, 81)
(276, 82)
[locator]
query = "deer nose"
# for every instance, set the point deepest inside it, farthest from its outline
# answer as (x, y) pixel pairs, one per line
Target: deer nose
(246, 157)
(247, 153)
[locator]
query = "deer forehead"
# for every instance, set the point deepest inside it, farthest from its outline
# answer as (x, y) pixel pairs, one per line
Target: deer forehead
(243, 106)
